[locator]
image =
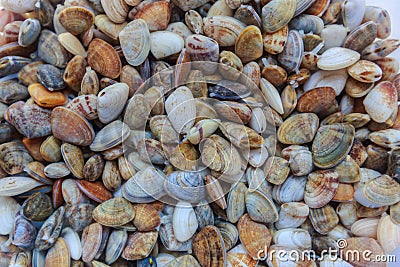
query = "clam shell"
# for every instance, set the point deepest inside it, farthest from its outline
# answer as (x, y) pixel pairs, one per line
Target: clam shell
(44, 97)
(297, 238)
(20, 6)
(102, 57)
(24, 233)
(135, 42)
(250, 39)
(318, 7)
(276, 170)
(116, 10)
(260, 207)
(202, 48)
(91, 241)
(381, 102)
(73, 242)
(277, 14)
(238, 255)
(51, 77)
(236, 202)
(58, 255)
(328, 153)
(291, 190)
(381, 191)
(320, 100)
(9, 209)
(323, 219)
(37, 207)
(307, 23)
(86, 105)
(28, 74)
(359, 244)
(335, 79)
(50, 149)
(366, 227)
(194, 21)
(93, 168)
(292, 54)
(29, 32)
(348, 171)
(72, 44)
(165, 43)
(275, 42)
(76, 19)
(292, 215)
(81, 216)
(215, 191)
(146, 218)
(50, 230)
(73, 158)
(223, 29)
(51, 50)
(394, 213)
(110, 136)
(74, 72)
(298, 129)
(185, 186)
(167, 236)
(353, 13)
(241, 136)
(208, 247)
(71, 193)
(365, 71)
(115, 245)
(156, 14)
(137, 112)
(361, 37)
(380, 49)
(321, 187)
(108, 27)
(272, 95)
(254, 236)
(14, 157)
(111, 101)
(382, 19)
(184, 222)
(388, 234)
(80, 132)
(114, 212)
(337, 58)
(139, 245)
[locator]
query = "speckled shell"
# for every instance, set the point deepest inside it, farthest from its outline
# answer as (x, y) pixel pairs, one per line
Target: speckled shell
(50, 49)
(361, 37)
(91, 241)
(208, 247)
(29, 32)
(319, 100)
(321, 187)
(249, 44)
(223, 29)
(139, 245)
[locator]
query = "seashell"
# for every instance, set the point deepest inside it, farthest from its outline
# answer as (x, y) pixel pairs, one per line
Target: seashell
(116, 10)
(86, 105)
(228, 90)
(219, 8)
(37, 207)
(91, 240)
(348, 171)
(249, 39)
(208, 247)
(94, 190)
(50, 149)
(274, 74)
(357, 89)
(318, 8)
(260, 207)
(388, 233)
(380, 49)
(181, 109)
(30, 120)
(381, 191)
(80, 216)
(72, 44)
(248, 15)
(45, 98)
(156, 14)
(365, 71)
(231, 65)
(168, 238)
(276, 170)
(223, 29)
(71, 193)
(320, 100)
(50, 77)
(58, 255)
(14, 157)
(335, 79)
(362, 36)
(28, 74)
(29, 32)
(56, 170)
(139, 245)
(73, 158)
(272, 96)
(275, 42)
(137, 111)
(171, 42)
(204, 214)
(337, 58)
(74, 72)
(185, 186)
(291, 190)
(50, 230)
(73, 242)
(347, 212)
(20, 6)
(326, 156)
(151, 151)
(389, 66)
(215, 191)
(366, 227)
(202, 48)
(324, 219)
(110, 136)
(102, 58)
(254, 236)
(111, 177)
(135, 41)
(274, 16)
(179, 28)
(12, 64)
(108, 27)
(115, 245)
(114, 212)
(321, 187)
(296, 238)
(307, 23)
(12, 91)
(382, 19)
(241, 136)
(383, 95)
(236, 202)
(51, 50)
(146, 217)
(292, 215)
(111, 101)
(194, 21)
(24, 233)
(394, 213)
(353, 13)
(90, 82)
(145, 186)
(359, 244)
(76, 19)
(9, 209)
(184, 222)
(35, 169)
(298, 129)
(292, 54)
(93, 168)
(239, 255)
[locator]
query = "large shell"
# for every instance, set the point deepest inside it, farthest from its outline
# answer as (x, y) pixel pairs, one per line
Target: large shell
(223, 29)
(51, 50)
(185, 186)
(156, 14)
(298, 129)
(91, 241)
(381, 102)
(321, 187)
(115, 245)
(382, 19)
(388, 234)
(24, 233)
(365, 71)
(208, 247)
(249, 44)
(261, 207)
(9, 208)
(337, 58)
(324, 219)
(15, 185)
(292, 55)
(14, 157)
(381, 191)
(140, 245)
(111, 101)
(353, 13)
(50, 230)
(114, 212)
(331, 144)
(361, 37)
(164, 44)
(236, 202)
(277, 14)
(103, 58)
(37, 207)
(116, 10)
(73, 242)
(135, 42)
(76, 19)
(70, 126)
(320, 100)
(184, 222)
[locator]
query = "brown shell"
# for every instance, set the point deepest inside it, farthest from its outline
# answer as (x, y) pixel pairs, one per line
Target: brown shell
(93, 168)
(140, 245)
(73, 157)
(46, 98)
(69, 126)
(28, 74)
(320, 100)
(233, 111)
(103, 58)
(56, 193)
(114, 212)
(254, 236)
(146, 218)
(249, 44)
(91, 241)
(33, 146)
(74, 72)
(76, 19)
(58, 255)
(359, 245)
(156, 15)
(209, 248)
(318, 8)
(94, 190)
(50, 149)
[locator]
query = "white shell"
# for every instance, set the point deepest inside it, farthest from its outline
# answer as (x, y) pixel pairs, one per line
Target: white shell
(163, 259)
(184, 221)
(333, 36)
(292, 215)
(111, 101)
(388, 234)
(257, 156)
(258, 122)
(272, 95)
(19, 6)
(366, 227)
(337, 58)
(293, 237)
(165, 43)
(73, 242)
(336, 262)
(8, 209)
(353, 13)
(335, 79)
(381, 102)
(181, 109)
(15, 185)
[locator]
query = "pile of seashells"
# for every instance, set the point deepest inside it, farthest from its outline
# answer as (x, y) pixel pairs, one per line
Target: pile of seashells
(197, 133)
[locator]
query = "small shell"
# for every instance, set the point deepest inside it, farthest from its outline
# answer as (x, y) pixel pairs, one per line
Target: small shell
(116, 10)
(292, 55)
(292, 215)
(24, 233)
(359, 244)
(103, 58)
(248, 15)
(94, 190)
(249, 44)
(72, 44)
(73, 242)
(307, 24)
(208, 247)
(362, 36)
(365, 71)
(29, 32)
(9, 209)
(56, 170)
(110, 136)
(185, 186)
(380, 49)
(236, 202)
(114, 212)
(73, 158)
(318, 8)
(296, 238)
(366, 227)
(277, 14)
(202, 48)
(165, 43)
(51, 77)
(382, 19)
(291, 190)
(272, 95)
(337, 58)
(320, 100)
(381, 102)
(275, 42)
(58, 254)
(353, 13)
(324, 219)
(335, 79)
(156, 14)
(381, 191)
(184, 222)
(328, 153)
(108, 27)
(91, 241)
(139, 245)
(276, 170)
(115, 245)
(76, 19)
(298, 129)
(111, 101)
(321, 187)
(50, 230)
(46, 98)
(261, 207)
(223, 29)
(238, 255)
(37, 207)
